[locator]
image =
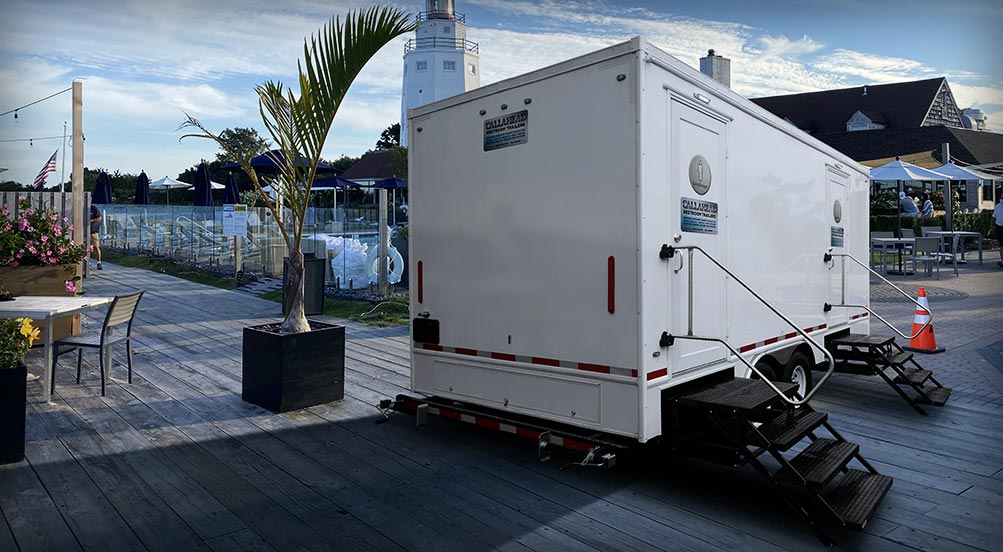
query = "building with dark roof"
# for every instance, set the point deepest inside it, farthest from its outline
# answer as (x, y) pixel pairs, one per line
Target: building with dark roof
(869, 107)
(372, 167)
(874, 124)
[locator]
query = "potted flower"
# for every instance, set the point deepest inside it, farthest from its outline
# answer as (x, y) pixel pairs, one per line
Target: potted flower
(16, 337)
(299, 363)
(38, 257)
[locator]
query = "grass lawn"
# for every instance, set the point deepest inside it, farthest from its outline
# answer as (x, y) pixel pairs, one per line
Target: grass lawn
(391, 312)
(166, 267)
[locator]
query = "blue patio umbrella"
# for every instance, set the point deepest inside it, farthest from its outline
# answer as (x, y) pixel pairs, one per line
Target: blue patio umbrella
(392, 183)
(231, 195)
(142, 189)
(203, 186)
(102, 189)
(265, 164)
(335, 182)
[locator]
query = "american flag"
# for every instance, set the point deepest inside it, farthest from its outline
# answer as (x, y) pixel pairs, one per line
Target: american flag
(50, 167)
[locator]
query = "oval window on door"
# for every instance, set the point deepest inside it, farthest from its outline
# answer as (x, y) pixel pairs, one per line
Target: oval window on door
(837, 211)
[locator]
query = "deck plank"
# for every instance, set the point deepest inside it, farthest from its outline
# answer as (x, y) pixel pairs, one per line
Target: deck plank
(180, 448)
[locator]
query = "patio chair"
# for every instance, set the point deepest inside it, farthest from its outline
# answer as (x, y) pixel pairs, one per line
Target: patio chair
(952, 254)
(121, 312)
(884, 260)
(925, 251)
(925, 230)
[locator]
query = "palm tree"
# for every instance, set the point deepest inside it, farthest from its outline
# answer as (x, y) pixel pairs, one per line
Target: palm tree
(299, 125)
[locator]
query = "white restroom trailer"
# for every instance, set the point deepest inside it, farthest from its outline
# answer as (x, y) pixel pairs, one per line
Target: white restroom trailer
(540, 206)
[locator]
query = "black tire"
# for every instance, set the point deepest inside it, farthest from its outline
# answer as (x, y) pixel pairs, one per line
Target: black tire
(768, 369)
(798, 370)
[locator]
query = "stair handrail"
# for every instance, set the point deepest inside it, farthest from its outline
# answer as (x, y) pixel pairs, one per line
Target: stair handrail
(844, 304)
(668, 252)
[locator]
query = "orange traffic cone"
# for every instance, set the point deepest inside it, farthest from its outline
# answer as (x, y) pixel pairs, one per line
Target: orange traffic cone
(925, 341)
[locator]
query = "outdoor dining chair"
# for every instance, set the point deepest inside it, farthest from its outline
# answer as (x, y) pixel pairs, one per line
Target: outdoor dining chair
(121, 312)
(884, 252)
(925, 251)
(925, 230)
(952, 252)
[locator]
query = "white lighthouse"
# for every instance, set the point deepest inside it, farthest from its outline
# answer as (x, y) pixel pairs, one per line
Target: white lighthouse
(439, 62)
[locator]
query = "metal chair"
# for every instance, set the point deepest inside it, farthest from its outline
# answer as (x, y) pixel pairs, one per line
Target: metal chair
(121, 312)
(952, 255)
(925, 230)
(884, 252)
(925, 250)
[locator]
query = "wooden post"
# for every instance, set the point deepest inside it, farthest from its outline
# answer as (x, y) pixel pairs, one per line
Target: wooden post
(79, 235)
(382, 250)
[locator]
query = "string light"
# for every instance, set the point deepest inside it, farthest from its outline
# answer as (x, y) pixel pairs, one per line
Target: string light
(16, 109)
(30, 140)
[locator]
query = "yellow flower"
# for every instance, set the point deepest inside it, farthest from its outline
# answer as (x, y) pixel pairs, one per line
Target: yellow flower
(28, 331)
(25, 326)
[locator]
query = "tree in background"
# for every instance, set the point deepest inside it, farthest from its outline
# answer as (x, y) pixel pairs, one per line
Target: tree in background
(390, 137)
(242, 142)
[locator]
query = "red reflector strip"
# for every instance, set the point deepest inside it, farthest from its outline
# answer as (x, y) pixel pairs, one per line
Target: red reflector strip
(544, 361)
(421, 282)
(593, 368)
(658, 373)
(771, 341)
(791, 335)
(487, 423)
(746, 348)
(532, 434)
(611, 284)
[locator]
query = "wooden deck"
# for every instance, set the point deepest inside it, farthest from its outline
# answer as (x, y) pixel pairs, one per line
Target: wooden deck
(176, 461)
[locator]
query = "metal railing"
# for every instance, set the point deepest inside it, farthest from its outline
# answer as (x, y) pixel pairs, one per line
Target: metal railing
(842, 297)
(667, 252)
(441, 42)
(441, 14)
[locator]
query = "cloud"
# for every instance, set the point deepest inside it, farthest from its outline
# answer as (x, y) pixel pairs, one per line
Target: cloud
(872, 68)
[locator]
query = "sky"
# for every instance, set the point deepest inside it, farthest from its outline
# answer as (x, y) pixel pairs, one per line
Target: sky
(144, 63)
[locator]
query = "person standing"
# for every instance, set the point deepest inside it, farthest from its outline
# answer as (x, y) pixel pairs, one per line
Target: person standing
(926, 206)
(998, 219)
(96, 233)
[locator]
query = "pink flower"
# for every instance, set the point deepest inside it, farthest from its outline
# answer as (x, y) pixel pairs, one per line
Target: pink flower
(14, 264)
(58, 231)
(53, 216)
(70, 286)
(65, 219)
(44, 239)
(22, 225)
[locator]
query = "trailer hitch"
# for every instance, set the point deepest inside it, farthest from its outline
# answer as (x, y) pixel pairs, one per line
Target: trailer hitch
(594, 458)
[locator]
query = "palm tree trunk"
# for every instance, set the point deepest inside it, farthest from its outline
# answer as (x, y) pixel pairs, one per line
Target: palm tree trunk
(295, 320)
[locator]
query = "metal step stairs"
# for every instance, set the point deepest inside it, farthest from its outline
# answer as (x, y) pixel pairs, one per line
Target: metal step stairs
(883, 357)
(736, 421)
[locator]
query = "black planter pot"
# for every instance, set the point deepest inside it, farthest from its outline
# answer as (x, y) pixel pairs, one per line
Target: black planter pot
(283, 372)
(12, 413)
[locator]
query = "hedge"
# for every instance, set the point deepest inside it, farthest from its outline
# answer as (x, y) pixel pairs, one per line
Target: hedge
(968, 222)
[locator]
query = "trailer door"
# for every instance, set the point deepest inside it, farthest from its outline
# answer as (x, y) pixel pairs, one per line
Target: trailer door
(697, 180)
(837, 217)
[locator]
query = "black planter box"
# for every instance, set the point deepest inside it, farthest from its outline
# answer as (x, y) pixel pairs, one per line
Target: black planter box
(12, 413)
(283, 372)
(313, 284)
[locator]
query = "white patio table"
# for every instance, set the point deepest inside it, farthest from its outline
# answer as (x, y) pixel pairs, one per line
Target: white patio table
(944, 234)
(48, 308)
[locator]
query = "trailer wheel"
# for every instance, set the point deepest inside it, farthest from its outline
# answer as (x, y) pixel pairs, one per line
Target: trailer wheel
(767, 367)
(798, 370)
